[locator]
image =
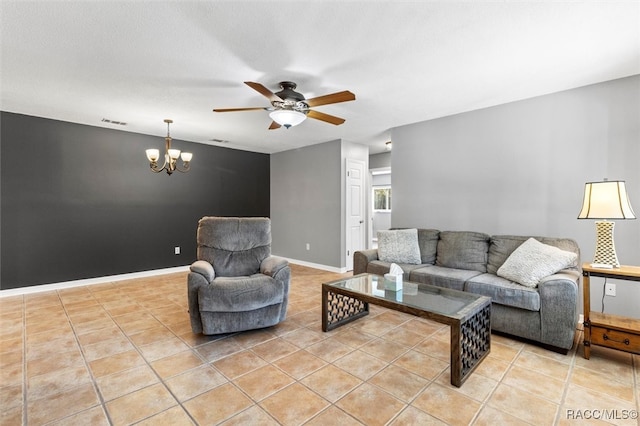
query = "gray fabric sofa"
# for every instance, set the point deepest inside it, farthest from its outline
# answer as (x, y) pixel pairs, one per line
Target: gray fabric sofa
(236, 284)
(469, 261)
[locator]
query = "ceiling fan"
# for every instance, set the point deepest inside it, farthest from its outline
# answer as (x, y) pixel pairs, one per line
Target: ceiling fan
(290, 108)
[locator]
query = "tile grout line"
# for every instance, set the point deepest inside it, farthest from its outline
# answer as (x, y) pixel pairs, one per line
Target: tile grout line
(147, 363)
(255, 403)
(24, 361)
(299, 381)
(148, 306)
(94, 382)
(485, 403)
(295, 380)
(567, 381)
(388, 364)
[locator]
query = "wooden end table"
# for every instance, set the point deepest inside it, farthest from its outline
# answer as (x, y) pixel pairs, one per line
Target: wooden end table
(612, 331)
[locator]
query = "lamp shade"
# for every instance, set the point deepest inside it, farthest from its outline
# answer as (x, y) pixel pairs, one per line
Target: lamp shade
(606, 200)
(173, 153)
(287, 117)
(153, 154)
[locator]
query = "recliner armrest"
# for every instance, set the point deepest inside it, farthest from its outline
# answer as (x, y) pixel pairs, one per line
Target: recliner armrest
(203, 268)
(272, 265)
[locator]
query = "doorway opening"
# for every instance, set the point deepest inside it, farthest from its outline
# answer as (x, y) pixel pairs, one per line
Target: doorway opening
(381, 202)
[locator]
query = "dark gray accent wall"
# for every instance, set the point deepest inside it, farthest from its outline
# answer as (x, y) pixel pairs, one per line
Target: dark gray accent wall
(81, 202)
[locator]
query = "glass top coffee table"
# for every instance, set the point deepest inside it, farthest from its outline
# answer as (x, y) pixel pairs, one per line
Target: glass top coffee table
(467, 314)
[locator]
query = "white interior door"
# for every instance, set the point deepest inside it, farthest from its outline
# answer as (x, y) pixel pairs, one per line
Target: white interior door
(355, 209)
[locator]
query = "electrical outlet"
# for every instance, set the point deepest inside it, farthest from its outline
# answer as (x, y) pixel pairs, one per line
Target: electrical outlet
(308, 246)
(610, 290)
(176, 250)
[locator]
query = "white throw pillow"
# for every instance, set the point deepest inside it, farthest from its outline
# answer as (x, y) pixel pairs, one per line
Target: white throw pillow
(399, 246)
(533, 260)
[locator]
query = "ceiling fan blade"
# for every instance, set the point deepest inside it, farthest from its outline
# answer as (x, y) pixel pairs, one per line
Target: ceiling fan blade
(263, 91)
(238, 109)
(274, 125)
(325, 117)
(333, 98)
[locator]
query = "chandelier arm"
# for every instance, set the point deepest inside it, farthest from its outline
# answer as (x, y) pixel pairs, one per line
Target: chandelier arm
(185, 169)
(154, 166)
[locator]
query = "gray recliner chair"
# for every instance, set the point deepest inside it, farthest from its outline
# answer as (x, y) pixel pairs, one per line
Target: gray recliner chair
(236, 284)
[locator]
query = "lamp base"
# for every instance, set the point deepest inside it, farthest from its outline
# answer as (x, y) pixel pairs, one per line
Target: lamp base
(605, 247)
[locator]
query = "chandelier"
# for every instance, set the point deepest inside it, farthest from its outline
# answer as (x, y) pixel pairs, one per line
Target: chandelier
(170, 156)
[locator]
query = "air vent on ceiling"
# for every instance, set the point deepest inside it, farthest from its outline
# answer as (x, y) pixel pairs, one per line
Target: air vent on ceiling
(218, 140)
(119, 123)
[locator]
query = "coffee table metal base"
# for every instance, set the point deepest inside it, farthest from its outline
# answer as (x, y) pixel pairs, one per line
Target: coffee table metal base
(338, 309)
(470, 338)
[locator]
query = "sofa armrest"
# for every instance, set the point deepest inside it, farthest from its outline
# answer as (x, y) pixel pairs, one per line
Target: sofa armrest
(203, 268)
(559, 308)
(362, 258)
(272, 265)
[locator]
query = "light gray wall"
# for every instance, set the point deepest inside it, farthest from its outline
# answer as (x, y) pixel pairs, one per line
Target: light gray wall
(520, 168)
(308, 199)
(380, 160)
(306, 203)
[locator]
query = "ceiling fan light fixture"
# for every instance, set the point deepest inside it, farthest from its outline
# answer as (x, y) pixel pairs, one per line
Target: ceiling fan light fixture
(287, 117)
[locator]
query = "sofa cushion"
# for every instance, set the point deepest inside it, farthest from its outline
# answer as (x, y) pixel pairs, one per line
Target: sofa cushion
(237, 294)
(463, 250)
(379, 267)
(501, 247)
(532, 261)
(441, 276)
(428, 241)
(504, 292)
(399, 246)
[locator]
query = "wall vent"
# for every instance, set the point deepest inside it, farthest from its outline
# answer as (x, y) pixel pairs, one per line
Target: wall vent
(119, 123)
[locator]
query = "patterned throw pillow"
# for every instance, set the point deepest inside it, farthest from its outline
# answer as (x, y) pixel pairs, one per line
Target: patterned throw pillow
(399, 246)
(532, 261)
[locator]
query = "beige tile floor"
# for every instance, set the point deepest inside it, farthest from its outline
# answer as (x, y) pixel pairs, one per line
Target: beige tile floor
(123, 353)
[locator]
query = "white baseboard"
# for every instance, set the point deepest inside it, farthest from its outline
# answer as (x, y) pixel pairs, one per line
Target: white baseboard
(317, 266)
(102, 280)
(89, 281)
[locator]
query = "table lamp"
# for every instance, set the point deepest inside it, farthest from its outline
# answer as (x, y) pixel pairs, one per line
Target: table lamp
(605, 201)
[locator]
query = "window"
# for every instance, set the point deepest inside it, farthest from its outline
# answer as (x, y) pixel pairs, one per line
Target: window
(382, 198)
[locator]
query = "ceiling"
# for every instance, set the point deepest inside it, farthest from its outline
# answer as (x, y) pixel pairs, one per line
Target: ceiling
(140, 62)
